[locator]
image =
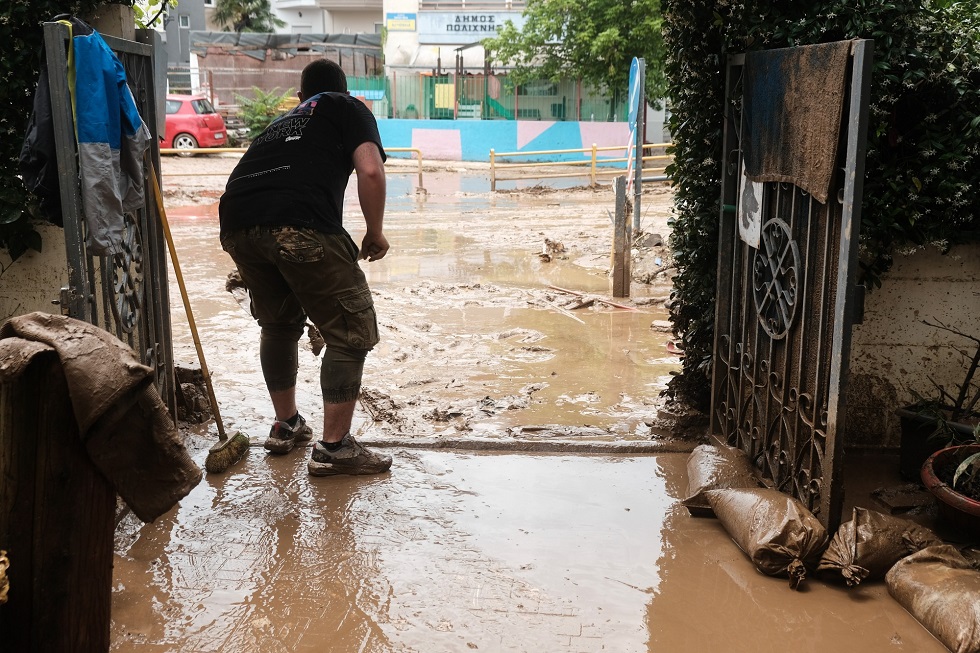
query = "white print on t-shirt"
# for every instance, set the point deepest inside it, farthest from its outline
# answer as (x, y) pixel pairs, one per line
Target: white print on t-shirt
(259, 174)
(289, 128)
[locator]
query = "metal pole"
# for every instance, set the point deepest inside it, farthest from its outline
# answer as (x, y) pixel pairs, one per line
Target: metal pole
(78, 294)
(638, 149)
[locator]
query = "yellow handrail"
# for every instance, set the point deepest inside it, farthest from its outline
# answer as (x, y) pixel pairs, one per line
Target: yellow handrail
(593, 162)
(414, 150)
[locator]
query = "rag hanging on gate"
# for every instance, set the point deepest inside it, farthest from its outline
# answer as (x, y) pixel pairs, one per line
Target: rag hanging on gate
(794, 99)
(110, 134)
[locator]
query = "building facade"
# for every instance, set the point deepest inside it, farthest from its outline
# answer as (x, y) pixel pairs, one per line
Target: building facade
(440, 36)
(329, 16)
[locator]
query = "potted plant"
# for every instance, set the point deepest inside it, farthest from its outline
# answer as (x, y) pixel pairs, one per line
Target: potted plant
(947, 418)
(952, 476)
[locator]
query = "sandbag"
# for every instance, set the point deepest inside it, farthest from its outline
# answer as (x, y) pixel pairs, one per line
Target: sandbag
(778, 533)
(869, 544)
(941, 590)
(711, 467)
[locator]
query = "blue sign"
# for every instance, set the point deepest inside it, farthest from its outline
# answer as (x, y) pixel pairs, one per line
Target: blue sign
(636, 93)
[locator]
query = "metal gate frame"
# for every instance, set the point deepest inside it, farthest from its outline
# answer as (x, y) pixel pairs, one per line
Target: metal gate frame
(780, 397)
(126, 294)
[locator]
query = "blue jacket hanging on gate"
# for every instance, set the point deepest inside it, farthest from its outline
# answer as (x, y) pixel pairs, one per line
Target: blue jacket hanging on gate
(112, 139)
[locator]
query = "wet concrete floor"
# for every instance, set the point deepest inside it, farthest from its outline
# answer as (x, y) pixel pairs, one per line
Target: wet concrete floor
(457, 550)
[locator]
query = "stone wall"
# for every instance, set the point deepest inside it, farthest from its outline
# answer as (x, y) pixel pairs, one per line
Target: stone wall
(34, 281)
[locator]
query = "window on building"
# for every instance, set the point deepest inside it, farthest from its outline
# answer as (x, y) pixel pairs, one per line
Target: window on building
(209, 3)
(185, 21)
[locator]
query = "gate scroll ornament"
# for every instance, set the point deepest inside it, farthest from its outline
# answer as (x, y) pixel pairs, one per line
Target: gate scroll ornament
(786, 302)
(775, 271)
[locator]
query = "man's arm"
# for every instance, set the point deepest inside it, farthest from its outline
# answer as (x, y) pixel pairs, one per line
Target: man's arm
(371, 189)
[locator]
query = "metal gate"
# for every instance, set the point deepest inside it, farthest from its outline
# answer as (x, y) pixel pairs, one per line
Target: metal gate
(125, 294)
(785, 309)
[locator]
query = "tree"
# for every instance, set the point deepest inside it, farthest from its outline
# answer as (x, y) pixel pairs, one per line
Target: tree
(259, 111)
(246, 16)
(593, 40)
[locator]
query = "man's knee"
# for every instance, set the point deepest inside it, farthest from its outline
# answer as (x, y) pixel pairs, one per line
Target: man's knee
(340, 374)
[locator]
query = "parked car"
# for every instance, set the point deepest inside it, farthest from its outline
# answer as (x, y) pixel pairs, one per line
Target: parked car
(191, 123)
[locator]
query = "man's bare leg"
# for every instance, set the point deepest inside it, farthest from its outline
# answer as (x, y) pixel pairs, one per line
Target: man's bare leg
(284, 403)
(337, 420)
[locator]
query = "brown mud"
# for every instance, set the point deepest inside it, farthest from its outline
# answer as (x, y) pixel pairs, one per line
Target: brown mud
(495, 312)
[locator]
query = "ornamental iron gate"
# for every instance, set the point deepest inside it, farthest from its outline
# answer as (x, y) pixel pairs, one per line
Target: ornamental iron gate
(127, 293)
(785, 307)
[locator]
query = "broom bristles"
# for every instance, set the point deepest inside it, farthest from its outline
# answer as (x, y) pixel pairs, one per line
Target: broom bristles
(225, 454)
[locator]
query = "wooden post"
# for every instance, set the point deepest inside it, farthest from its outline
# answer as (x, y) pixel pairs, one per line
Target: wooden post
(57, 518)
(621, 242)
(493, 171)
(592, 167)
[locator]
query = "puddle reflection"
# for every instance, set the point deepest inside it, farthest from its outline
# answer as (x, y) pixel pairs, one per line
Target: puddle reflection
(443, 553)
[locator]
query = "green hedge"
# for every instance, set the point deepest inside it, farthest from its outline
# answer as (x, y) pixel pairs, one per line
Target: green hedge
(922, 182)
(22, 35)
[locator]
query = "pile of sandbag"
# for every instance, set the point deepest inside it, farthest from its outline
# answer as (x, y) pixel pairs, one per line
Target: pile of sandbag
(776, 531)
(933, 581)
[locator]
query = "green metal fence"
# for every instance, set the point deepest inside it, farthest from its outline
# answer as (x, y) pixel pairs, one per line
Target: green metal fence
(414, 94)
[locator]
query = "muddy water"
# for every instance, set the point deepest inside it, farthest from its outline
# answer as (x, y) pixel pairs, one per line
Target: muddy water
(479, 335)
(455, 552)
(445, 554)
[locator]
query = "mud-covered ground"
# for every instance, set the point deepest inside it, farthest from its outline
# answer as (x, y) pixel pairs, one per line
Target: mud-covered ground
(498, 332)
(495, 309)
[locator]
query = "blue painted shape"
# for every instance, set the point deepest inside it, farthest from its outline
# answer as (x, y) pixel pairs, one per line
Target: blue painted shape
(478, 137)
(560, 136)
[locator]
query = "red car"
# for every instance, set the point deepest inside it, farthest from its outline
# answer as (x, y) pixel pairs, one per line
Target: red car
(192, 122)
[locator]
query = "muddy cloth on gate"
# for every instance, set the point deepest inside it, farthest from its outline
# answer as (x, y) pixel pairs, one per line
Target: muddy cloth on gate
(128, 433)
(793, 101)
(869, 544)
(940, 588)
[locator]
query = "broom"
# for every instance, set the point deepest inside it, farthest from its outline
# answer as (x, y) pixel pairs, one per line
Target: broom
(227, 451)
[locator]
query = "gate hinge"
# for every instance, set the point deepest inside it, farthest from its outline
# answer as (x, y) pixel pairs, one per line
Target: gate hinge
(64, 300)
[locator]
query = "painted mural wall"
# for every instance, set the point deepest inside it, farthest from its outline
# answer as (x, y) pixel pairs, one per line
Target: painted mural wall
(472, 140)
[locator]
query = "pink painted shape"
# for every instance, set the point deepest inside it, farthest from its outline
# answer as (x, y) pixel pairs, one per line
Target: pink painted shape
(606, 134)
(528, 131)
(439, 144)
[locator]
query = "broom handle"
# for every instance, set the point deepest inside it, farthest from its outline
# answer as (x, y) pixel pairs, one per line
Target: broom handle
(187, 304)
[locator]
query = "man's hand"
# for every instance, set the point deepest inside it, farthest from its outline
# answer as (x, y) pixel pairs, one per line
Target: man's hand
(374, 246)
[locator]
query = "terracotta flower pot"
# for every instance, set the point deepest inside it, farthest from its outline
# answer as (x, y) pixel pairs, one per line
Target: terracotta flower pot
(957, 509)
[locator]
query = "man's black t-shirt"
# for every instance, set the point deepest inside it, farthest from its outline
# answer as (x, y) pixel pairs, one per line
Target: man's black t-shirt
(295, 173)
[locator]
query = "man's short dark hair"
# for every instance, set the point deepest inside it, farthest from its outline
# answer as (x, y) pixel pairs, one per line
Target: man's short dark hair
(322, 76)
